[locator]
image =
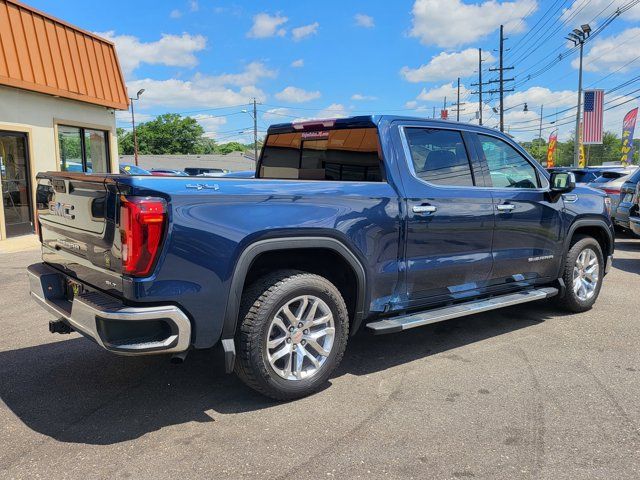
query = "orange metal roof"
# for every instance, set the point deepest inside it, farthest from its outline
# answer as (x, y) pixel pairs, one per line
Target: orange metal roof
(43, 54)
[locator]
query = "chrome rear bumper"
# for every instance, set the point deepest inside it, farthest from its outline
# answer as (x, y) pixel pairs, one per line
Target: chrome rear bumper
(106, 320)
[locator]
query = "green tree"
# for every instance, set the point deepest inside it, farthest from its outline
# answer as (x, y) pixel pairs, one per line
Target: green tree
(169, 134)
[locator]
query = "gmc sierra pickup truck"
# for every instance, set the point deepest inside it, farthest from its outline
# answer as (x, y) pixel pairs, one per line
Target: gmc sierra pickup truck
(379, 222)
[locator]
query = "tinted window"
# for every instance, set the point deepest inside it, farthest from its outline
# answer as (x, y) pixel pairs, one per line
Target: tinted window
(635, 177)
(507, 167)
(347, 155)
(439, 156)
(83, 150)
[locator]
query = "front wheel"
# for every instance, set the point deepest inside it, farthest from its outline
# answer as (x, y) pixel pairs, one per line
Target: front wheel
(583, 273)
(293, 333)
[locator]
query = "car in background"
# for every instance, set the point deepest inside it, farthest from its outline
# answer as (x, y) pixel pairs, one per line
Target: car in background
(628, 203)
(586, 174)
(193, 171)
(610, 182)
(167, 172)
(129, 169)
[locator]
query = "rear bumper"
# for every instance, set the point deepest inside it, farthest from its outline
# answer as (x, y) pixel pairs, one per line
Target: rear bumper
(106, 320)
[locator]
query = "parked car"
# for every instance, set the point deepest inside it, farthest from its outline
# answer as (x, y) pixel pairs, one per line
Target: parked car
(129, 169)
(241, 174)
(628, 200)
(610, 182)
(203, 170)
(586, 174)
(381, 222)
(165, 172)
(634, 213)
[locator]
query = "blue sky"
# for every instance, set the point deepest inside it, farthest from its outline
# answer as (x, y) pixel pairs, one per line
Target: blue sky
(327, 59)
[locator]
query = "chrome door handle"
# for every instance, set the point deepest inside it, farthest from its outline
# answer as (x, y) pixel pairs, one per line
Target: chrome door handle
(424, 209)
(506, 207)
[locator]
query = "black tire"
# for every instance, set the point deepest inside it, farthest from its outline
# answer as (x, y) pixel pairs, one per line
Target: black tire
(261, 301)
(571, 301)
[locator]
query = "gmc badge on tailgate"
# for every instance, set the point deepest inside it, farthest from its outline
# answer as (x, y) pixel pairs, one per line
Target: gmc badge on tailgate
(62, 210)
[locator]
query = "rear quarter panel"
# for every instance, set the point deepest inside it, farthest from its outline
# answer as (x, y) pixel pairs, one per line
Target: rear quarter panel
(209, 228)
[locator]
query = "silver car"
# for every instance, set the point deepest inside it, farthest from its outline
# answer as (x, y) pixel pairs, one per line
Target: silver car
(610, 182)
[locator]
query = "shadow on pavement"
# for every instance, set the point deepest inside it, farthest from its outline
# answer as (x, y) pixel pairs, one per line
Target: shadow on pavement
(75, 392)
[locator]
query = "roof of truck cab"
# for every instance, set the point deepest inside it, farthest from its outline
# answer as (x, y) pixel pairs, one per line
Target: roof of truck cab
(364, 121)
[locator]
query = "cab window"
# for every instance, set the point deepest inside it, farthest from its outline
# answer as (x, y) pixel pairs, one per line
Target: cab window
(507, 167)
(350, 154)
(439, 156)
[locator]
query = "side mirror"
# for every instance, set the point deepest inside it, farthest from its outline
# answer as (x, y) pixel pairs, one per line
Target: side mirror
(562, 182)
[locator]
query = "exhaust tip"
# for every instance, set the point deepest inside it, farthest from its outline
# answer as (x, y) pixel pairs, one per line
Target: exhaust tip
(178, 358)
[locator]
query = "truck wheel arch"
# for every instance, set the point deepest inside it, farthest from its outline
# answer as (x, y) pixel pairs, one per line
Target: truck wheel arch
(254, 250)
(595, 228)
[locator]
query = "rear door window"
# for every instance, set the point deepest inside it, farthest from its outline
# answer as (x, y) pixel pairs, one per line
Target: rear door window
(351, 154)
(439, 156)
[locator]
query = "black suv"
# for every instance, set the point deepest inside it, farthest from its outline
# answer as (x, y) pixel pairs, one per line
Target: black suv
(628, 205)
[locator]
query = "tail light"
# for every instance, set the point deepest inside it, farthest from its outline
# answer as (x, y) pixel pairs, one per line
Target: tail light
(612, 192)
(142, 227)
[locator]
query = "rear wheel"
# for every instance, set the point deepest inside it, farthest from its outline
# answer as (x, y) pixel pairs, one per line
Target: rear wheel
(583, 273)
(293, 333)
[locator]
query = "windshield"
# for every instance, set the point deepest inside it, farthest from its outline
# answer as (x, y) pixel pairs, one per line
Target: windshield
(350, 154)
(133, 170)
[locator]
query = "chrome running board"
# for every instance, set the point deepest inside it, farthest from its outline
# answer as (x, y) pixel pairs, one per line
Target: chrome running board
(397, 324)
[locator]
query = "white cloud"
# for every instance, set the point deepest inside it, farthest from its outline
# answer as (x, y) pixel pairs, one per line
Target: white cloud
(296, 95)
(306, 30)
(358, 97)
(448, 90)
(298, 63)
(363, 20)
(265, 26)
(171, 50)
(536, 96)
(204, 90)
(335, 110)
(612, 52)
(278, 115)
(194, 6)
(582, 11)
(446, 65)
(175, 13)
(210, 123)
(454, 22)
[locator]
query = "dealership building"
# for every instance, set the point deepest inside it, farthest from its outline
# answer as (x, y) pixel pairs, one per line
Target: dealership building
(59, 89)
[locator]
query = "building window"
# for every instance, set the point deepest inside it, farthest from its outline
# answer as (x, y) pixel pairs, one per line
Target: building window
(83, 150)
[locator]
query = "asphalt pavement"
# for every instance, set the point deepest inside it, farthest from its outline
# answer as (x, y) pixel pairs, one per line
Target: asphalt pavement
(525, 392)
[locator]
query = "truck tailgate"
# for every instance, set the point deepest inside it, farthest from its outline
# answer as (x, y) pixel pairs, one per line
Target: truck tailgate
(77, 217)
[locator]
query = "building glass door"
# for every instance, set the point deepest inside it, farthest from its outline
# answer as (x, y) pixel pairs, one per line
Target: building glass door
(14, 179)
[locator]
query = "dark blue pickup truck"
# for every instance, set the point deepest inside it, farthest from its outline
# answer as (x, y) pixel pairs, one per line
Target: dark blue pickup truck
(377, 222)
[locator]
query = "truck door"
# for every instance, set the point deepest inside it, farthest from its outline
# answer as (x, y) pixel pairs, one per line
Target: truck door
(449, 221)
(528, 241)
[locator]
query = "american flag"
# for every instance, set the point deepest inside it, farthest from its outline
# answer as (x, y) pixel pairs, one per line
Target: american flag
(592, 129)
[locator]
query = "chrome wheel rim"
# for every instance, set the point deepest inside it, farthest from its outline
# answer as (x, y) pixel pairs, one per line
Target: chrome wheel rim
(586, 273)
(300, 338)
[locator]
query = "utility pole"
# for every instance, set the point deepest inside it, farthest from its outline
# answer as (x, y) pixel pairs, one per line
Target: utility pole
(578, 37)
(458, 103)
(541, 109)
(434, 112)
(255, 130)
(501, 90)
(479, 85)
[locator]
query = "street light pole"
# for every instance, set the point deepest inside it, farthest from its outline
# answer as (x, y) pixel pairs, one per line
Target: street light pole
(255, 131)
(133, 124)
(578, 37)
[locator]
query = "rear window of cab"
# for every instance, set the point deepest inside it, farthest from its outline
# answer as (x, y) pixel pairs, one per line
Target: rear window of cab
(351, 154)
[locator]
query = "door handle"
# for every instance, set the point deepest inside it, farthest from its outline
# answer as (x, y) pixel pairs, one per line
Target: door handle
(424, 209)
(506, 207)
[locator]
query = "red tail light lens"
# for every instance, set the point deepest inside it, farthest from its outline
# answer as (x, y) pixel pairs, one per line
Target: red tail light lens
(612, 192)
(142, 226)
